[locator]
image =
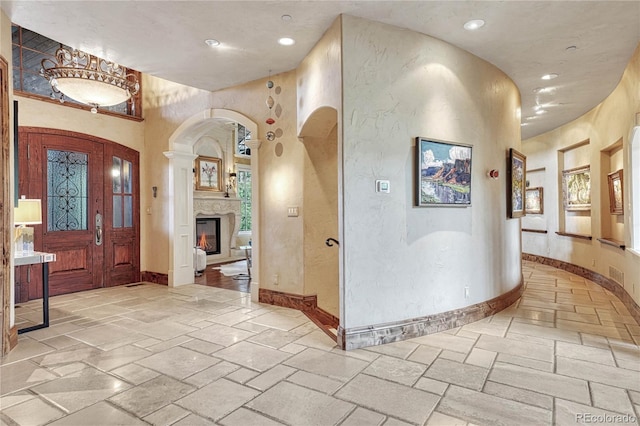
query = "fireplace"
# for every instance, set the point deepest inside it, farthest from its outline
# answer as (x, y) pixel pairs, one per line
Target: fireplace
(208, 234)
(227, 210)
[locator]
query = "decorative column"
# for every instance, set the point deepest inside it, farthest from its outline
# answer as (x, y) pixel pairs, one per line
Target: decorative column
(255, 218)
(181, 232)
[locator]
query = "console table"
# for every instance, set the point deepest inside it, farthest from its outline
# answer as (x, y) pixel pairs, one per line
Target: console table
(34, 259)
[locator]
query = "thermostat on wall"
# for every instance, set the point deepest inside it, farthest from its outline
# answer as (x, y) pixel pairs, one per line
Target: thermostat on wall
(383, 186)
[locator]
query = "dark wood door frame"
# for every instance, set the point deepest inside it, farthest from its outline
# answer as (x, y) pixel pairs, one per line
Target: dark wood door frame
(6, 203)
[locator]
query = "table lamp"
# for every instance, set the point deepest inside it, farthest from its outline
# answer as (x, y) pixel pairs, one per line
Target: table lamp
(28, 212)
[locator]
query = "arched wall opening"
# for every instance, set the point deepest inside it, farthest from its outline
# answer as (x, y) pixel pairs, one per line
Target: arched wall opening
(320, 197)
(183, 143)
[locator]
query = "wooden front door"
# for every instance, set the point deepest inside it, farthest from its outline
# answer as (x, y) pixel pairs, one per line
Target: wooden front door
(96, 245)
(122, 218)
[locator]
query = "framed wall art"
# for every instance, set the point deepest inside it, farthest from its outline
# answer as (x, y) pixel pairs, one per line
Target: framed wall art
(443, 173)
(576, 189)
(516, 186)
(615, 193)
(534, 201)
(208, 173)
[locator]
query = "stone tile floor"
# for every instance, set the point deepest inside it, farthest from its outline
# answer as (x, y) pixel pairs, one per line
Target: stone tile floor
(566, 353)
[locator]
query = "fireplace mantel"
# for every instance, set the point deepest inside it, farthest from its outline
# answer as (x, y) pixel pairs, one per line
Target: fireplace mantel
(207, 205)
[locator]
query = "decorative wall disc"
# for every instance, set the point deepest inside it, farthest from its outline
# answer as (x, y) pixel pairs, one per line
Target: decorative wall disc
(270, 121)
(269, 84)
(270, 102)
(270, 135)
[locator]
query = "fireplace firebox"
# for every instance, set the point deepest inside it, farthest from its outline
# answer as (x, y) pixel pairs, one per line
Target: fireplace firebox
(208, 234)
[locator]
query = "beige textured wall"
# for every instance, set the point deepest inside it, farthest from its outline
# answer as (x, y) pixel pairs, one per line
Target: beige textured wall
(319, 108)
(320, 77)
(402, 261)
(57, 116)
(603, 126)
(167, 105)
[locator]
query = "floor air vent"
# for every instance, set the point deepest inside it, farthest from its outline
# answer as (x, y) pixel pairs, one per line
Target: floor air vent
(616, 275)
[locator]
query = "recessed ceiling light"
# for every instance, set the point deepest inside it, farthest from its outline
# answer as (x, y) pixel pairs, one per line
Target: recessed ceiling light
(549, 76)
(571, 48)
(212, 42)
(287, 41)
(286, 17)
(473, 24)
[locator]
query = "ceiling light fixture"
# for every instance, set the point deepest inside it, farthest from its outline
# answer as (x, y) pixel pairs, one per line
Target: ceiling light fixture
(88, 79)
(550, 76)
(286, 17)
(473, 24)
(211, 42)
(544, 89)
(286, 41)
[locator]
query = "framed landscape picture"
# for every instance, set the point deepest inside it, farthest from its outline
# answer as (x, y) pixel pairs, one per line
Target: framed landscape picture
(534, 202)
(208, 173)
(576, 189)
(616, 199)
(517, 172)
(443, 173)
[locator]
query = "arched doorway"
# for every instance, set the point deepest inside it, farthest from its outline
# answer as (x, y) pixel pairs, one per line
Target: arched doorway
(181, 223)
(321, 205)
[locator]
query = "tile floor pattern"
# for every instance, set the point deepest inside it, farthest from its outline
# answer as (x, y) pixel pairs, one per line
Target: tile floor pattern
(566, 353)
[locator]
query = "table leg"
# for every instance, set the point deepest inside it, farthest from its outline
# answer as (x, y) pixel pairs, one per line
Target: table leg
(45, 302)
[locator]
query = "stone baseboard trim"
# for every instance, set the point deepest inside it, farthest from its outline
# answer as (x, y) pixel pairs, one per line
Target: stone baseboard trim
(287, 300)
(360, 337)
(590, 275)
(155, 277)
(307, 304)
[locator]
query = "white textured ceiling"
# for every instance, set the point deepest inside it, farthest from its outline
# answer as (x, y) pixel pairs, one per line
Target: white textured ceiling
(525, 39)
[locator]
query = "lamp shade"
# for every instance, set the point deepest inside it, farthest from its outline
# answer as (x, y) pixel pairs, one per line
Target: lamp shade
(92, 92)
(28, 212)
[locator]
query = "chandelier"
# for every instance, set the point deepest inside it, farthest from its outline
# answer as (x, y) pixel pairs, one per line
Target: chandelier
(88, 79)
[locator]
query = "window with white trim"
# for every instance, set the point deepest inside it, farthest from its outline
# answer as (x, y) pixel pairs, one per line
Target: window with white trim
(243, 136)
(244, 193)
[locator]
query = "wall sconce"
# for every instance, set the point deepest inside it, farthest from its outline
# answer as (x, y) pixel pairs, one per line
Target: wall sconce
(493, 174)
(155, 191)
(27, 212)
(231, 183)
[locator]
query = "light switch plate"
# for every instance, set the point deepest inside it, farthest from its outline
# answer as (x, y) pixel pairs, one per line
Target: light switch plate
(383, 186)
(292, 212)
